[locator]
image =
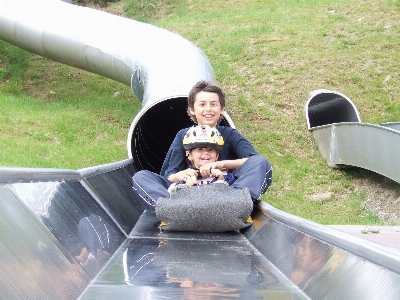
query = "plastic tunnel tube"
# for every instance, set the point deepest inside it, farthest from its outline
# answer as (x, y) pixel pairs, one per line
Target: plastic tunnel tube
(159, 65)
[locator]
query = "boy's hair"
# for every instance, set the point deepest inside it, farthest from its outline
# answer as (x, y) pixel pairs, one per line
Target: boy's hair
(204, 86)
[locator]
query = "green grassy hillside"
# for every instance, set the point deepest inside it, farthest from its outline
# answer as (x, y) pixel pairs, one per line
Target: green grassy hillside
(267, 56)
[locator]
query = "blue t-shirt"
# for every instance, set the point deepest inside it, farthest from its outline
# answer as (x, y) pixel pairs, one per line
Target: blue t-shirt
(235, 146)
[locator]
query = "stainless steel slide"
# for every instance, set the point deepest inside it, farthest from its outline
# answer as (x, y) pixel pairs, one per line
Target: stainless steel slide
(82, 234)
(67, 234)
(344, 140)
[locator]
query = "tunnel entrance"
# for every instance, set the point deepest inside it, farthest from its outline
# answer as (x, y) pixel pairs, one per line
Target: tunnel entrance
(330, 107)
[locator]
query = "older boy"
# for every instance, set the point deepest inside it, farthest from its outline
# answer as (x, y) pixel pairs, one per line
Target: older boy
(206, 105)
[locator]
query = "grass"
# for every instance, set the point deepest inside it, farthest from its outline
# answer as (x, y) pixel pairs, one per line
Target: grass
(55, 116)
(267, 55)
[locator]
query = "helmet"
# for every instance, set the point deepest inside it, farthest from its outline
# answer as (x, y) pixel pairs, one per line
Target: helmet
(203, 136)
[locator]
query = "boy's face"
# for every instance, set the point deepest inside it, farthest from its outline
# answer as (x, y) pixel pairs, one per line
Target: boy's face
(207, 108)
(202, 156)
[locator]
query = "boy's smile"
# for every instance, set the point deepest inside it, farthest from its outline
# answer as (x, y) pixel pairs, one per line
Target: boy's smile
(207, 108)
(202, 156)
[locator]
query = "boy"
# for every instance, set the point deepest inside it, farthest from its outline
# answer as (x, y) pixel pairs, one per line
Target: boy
(202, 144)
(206, 105)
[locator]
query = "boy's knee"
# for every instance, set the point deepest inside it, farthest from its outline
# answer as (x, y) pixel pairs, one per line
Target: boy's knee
(263, 166)
(140, 176)
(259, 162)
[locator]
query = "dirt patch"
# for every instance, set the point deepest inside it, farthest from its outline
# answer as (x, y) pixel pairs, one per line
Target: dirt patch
(382, 197)
(115, 8)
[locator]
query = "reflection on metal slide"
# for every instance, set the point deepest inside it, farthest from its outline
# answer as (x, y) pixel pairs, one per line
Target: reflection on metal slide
(67, 234)
(82, 234)
(344, 140)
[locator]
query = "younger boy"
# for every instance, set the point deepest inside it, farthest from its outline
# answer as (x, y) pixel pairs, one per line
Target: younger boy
(202, 144)
(206, 105)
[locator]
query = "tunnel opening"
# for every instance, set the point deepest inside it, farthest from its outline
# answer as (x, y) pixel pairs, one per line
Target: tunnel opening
(329, 108)
(153, 132)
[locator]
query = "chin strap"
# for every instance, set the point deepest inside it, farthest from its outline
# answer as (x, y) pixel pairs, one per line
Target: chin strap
(191, 166)
(196, 169)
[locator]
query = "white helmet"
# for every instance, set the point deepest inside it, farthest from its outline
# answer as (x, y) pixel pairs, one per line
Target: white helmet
(203, 136)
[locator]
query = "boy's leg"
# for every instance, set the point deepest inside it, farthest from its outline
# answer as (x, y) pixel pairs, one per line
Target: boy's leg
(255, 174)
(149, 187)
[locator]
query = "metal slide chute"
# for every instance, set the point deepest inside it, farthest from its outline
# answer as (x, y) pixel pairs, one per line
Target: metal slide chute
(86, 233)
(344, 140)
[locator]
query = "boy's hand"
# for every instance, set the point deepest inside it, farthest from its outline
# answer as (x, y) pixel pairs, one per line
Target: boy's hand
(182, 175)
(217, 173)
(205, 170)
(186, 174)
(191, 180)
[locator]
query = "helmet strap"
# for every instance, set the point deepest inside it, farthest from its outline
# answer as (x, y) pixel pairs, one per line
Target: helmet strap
(192, 166)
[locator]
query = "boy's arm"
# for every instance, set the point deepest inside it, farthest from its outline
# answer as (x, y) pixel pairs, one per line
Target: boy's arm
(235, 144)
(184, 175)
(230, 164)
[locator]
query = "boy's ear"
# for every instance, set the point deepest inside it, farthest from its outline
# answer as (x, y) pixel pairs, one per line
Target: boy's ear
(188, 155)
(191, 110)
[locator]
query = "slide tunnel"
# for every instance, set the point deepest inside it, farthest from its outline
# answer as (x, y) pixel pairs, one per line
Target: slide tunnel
(160, 66)
(344, 140)
(82, 234)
